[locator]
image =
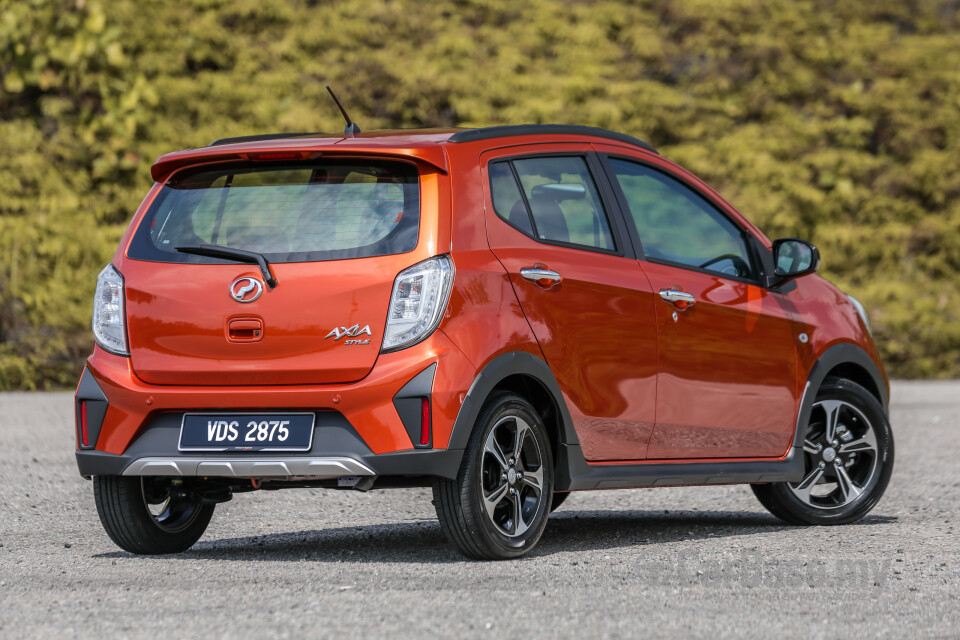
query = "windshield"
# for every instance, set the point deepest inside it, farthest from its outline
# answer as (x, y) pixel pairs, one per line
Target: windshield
(323, 210)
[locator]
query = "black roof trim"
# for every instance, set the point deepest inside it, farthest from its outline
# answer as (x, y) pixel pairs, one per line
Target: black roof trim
(271, 136)
(486, 133)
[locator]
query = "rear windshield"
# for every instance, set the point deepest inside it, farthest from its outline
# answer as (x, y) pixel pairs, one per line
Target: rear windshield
(323, 210)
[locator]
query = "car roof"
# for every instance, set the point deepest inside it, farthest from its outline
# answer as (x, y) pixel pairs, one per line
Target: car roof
(392, 136)
(454, 135)
(423, 144)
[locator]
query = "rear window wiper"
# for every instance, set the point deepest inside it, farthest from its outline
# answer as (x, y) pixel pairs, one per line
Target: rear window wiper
(239, 255)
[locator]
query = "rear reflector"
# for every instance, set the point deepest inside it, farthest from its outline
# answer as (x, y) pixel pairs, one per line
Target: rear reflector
(84, 438)
(424, 422)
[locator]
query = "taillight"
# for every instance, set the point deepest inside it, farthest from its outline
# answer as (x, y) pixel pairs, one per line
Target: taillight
(419, 297)
(109, 315)
(84, 436)
(424, 422)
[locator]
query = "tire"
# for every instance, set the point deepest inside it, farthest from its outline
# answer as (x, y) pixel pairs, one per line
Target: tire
(558, 499)
(492, 473)
(124, 505)
(843, 481)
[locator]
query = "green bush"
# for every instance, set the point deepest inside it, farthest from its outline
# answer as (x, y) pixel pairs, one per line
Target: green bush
(837, 122)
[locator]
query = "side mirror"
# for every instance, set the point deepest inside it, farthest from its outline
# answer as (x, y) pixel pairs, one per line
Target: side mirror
(792, 258)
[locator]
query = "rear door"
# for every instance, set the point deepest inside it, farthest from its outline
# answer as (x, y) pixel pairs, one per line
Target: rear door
(335, 233)
(727, 369)
(587, 301)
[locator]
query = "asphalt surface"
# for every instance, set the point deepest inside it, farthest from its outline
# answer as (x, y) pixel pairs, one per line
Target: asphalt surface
(686, 562)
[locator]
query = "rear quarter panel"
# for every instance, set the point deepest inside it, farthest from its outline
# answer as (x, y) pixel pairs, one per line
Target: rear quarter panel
(483, 318)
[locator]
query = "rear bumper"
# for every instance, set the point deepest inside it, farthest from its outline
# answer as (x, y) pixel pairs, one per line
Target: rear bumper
(337, 451)
(440, 464)
(358, 431)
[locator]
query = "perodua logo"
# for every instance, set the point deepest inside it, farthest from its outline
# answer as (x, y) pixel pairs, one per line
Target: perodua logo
(350, 332)
(246, 289)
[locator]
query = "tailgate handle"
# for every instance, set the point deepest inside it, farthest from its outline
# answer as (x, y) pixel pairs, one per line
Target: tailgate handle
(245, 330)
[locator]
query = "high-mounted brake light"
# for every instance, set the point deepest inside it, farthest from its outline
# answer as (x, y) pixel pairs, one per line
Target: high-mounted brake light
(280, 155)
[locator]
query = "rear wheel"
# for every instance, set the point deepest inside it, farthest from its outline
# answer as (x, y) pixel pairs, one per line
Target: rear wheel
(848, 459)
(497, 507)
(150, 515)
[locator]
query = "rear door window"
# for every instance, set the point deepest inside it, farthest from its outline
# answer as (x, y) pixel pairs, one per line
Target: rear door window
(290, 213)
(553, 199)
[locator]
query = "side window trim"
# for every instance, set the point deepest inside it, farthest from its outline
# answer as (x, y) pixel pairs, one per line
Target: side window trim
(614, 223)
(523, 198)
(747, 237)
(616, 214)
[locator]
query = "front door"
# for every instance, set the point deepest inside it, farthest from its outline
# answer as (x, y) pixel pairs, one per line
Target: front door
(727, 372)
(586, 298)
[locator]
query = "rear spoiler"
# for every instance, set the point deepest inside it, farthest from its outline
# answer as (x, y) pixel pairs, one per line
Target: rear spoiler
(430, 153)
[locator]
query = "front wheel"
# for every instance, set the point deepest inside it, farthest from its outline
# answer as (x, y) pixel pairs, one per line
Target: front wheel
(150, 515)
(848, 459)
(497, 507)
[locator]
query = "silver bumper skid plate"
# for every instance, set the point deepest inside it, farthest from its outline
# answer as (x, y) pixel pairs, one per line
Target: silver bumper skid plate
(333, 467)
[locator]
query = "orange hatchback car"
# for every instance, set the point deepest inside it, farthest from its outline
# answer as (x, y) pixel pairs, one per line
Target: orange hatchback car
(506, 314)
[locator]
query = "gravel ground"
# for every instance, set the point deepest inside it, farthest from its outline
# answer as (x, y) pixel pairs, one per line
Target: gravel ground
(686, 562)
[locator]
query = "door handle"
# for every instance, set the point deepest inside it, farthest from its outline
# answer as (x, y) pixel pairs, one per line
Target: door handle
(680, 299)
(541, 277)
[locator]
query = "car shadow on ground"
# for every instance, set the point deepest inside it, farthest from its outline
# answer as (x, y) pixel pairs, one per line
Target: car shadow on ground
(423, 541)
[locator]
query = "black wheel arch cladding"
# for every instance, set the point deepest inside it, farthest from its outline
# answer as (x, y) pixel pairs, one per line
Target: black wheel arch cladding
(837, 356)
(500, 368)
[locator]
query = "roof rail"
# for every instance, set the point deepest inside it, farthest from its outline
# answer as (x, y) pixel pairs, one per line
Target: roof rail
(271, 136)
(485, 133)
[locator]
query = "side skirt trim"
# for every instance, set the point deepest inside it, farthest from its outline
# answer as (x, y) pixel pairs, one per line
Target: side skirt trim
(574, 473)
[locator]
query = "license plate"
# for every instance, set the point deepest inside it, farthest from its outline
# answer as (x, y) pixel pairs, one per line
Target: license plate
(246, 432)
